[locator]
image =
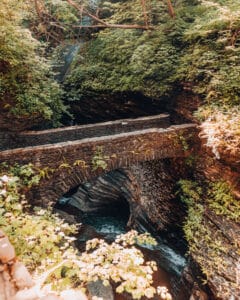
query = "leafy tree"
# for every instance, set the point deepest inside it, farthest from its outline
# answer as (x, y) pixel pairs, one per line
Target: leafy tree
(212, 56)
(119, 61)
(210, 63)
(27, 88)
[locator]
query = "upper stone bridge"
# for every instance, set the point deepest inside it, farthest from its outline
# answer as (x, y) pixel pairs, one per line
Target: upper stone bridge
(69, 156)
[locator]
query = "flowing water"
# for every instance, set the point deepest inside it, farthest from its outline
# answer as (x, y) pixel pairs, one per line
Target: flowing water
(170, 264)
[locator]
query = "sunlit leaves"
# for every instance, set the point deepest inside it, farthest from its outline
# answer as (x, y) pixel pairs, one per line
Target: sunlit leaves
(26, 87)
(221, 129)
(120, 262)
(43, 242)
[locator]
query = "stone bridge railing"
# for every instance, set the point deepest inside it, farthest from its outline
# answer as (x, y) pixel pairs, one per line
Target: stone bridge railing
(34, 138)
(65, 165)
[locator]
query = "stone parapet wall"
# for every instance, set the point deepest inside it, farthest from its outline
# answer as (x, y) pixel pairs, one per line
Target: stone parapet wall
(133, 146)
(72, 163)
(67, 164)
(72, 133)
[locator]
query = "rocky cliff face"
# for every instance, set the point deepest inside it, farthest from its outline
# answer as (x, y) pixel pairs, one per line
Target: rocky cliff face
(217, 251)
(146, 188)
(156, 206)
(221, 265)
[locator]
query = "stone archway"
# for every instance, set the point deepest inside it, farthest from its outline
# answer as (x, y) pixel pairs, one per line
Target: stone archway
(115, 192)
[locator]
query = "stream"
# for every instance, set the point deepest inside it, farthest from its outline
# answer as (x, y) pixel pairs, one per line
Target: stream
(109, 224)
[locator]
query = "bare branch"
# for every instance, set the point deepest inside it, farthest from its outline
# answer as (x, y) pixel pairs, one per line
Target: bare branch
(104, 24)
(123, 26)
(81, 9)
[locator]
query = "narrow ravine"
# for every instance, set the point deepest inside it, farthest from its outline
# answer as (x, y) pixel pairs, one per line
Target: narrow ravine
(107, 214)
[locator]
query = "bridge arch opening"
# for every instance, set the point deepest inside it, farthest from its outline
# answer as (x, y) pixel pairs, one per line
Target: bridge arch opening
(111, 195)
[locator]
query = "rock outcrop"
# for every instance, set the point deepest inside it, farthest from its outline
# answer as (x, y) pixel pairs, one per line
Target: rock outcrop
(225, 271)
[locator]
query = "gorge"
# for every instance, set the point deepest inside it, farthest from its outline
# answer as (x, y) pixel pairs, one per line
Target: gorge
(128, 119)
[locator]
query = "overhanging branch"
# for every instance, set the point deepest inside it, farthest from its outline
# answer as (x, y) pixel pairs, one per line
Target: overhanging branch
(123, 26)
(103, 24)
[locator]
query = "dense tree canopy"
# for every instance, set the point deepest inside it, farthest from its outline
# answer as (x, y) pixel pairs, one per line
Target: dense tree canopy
(26, 84)
(119, 60)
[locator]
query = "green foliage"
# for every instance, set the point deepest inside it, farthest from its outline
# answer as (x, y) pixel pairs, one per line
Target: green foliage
(190, 161)
(52, 21)
(43, 242)
(207, 244)
(26, 84)
(211, 59)
(191, 194)
(119, 262)
(99, 160)
(26, 174)
(121, 61)
(222, 202)
(184, 142)
(190, 191)
(40, 238)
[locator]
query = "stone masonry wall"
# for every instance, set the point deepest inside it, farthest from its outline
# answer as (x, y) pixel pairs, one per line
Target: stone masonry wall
(33, 138)
(68, 164)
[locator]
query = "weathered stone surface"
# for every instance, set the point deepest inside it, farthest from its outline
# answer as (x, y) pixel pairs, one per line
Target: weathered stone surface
(104, 193)
(72, 133)
(224, 281)
(157, 206)
(70, 163)
(219, 169)
(149, 190)
(7, 252)
(21, 276)
(13, 275)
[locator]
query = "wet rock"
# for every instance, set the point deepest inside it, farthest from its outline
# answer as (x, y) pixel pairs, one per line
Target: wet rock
(69, 218)
(105, 193)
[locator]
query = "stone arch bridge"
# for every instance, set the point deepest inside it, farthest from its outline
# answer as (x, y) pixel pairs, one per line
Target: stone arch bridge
(69, 156)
